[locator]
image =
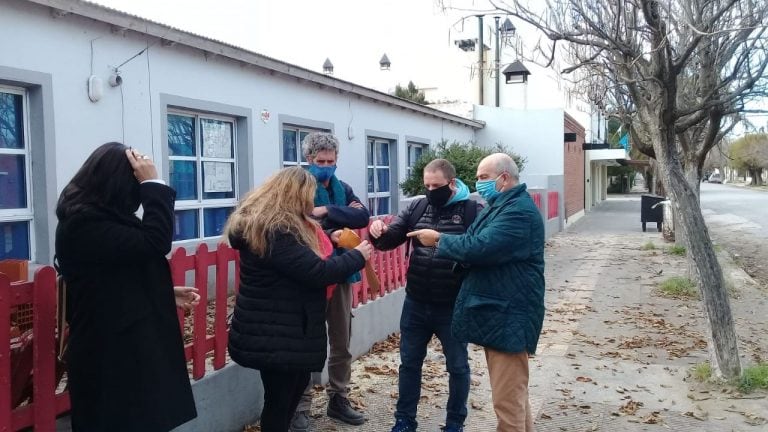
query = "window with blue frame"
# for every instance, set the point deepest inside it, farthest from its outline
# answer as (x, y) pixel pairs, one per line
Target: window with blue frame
(15, 194)
(202, 168)
(379, 176)
(293, 136)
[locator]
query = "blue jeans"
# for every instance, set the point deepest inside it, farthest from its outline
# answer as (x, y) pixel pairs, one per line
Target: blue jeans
(419, 321)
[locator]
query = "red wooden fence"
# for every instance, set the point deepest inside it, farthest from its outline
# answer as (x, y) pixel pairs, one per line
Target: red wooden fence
(209, 334)
(391, 267)
(553, 205)
(537, 199)
(41, 293)
(200, 263)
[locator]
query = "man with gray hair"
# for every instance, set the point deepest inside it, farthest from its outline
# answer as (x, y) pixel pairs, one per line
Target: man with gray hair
(501, 302)
(336, 207)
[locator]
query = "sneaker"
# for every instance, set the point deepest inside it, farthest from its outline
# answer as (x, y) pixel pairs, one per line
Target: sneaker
(403, 425)
(340, 409)
(452, 428)
(300, 422)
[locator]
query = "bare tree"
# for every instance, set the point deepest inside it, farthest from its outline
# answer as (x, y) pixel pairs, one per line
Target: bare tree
(679, 72)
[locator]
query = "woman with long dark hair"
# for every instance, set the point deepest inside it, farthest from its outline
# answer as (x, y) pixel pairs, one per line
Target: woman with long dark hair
(285, 266)
(125, 355)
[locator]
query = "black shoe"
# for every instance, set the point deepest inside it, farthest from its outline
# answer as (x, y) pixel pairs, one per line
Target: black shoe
(340, 409)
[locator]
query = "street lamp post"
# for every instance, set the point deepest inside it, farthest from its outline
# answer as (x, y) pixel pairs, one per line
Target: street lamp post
(498, 58)
(480, 58)
(506, 29)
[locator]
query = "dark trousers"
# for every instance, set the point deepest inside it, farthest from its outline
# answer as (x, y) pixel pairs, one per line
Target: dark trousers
(282, 391)
(418, 322)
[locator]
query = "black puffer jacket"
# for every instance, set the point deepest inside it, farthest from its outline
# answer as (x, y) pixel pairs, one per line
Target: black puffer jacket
(430, 279)
(279, 318)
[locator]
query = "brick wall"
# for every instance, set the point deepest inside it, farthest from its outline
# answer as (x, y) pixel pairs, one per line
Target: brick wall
(574, 168)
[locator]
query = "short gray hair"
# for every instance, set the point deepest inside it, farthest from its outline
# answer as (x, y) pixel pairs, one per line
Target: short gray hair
(316, 142)
(504, 163)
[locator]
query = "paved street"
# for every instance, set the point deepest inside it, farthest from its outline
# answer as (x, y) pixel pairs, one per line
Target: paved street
(739, 207)
(613, 356)
(737, 218)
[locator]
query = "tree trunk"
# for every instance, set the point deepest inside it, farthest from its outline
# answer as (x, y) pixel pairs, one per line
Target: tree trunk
(690, 221)
(694, 181)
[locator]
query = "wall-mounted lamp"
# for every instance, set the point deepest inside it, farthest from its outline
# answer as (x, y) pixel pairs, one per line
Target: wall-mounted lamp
(95, 88)
(115, 79)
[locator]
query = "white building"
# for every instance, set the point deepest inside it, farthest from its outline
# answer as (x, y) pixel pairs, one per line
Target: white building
(217, 119)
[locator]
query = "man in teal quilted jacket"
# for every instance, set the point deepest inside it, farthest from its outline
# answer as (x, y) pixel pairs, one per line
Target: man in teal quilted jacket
(501, 302)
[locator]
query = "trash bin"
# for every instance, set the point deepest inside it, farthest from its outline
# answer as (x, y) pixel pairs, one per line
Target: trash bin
(650, 214)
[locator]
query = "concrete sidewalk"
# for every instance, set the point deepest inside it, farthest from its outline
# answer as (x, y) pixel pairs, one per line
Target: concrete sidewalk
(613, 356)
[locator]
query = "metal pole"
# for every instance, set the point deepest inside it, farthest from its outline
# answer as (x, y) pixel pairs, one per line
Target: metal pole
(498, 60)
(480, 57)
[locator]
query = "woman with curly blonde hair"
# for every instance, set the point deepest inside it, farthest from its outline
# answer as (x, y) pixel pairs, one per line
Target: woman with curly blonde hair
(278, 325)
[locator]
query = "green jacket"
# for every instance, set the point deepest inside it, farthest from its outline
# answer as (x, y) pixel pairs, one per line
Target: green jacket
(501, 302)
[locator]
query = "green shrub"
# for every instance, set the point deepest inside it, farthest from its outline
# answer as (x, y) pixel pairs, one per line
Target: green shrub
(754, 377)
(464, 156)
(679, 287)
(702, 372)
(677, 250)
(649, 246)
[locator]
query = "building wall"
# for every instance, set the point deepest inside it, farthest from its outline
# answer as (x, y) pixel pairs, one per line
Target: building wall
(534, 134)
(69, 49)
(574, 168)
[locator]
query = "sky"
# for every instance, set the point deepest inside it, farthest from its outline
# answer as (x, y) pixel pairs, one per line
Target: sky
(416, 35)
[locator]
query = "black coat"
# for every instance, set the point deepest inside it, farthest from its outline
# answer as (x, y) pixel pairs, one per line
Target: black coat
(279, 318)
(126, 366)
(429, 279)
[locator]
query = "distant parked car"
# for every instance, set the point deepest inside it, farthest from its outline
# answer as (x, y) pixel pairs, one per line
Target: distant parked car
(715, 178)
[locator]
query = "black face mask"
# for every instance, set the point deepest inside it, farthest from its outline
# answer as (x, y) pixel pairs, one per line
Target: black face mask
(440, 196)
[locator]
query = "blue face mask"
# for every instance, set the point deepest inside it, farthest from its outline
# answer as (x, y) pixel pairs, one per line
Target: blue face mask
(487, 188)
(322, 173)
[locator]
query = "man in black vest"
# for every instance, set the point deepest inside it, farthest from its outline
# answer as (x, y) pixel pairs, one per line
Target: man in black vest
(431, 290)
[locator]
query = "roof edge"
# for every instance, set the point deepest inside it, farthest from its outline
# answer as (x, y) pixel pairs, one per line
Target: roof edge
(170, 35)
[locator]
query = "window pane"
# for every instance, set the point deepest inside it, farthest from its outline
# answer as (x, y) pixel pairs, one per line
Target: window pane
(214, 220)
(13, 184)
(183, 175)
(372, 206)
(216, 138)
(418, 150)
(383, 208)
(382, 156)
(14, 240)
(382, 175)
(290, 152)
(185, 225)
(11, 121)
(371, 185)
(181, 135)
(369, 157)
(414, 153)
(218, 180)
